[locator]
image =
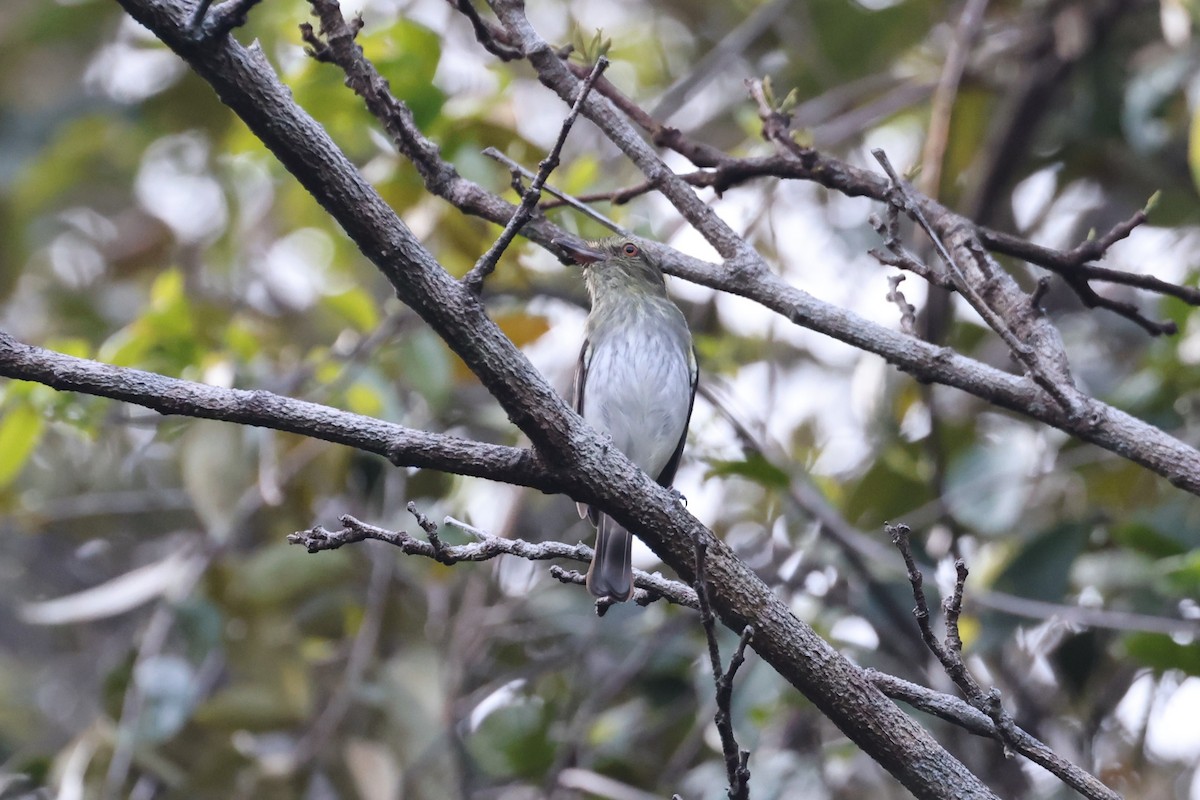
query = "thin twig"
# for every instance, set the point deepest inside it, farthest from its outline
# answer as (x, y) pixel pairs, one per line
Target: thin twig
(736, 759)
(749, 276)
(795, 162)
(650, 587)
(430, 527)
(972, 720)
(617, 196)
(573, 202)
(474, 279)
(949, 654)
(898, 256)
(1026, 355)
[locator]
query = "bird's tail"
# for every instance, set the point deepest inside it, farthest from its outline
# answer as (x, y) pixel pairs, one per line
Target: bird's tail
(611, 572)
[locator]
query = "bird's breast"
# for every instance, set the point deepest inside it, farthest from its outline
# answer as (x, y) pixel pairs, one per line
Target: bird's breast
(639, 391)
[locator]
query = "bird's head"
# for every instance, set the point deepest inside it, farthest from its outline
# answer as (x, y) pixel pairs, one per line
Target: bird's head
(616, 264)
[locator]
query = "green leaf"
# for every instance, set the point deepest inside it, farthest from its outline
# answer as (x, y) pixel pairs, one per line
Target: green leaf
(988, 486)
(754, 468)
(1160, 652)
(357, 307)
(282, 574)
(514, 739)
(20, 431)
(1183, 573)
(407, 54)
(253, 706)
(1041, 568)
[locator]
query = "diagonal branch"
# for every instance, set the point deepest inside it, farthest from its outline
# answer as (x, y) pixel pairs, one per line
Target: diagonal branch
(591, 470)
(972, 720)
(721, 171)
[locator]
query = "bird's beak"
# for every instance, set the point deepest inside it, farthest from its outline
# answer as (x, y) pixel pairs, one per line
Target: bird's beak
(578, 252)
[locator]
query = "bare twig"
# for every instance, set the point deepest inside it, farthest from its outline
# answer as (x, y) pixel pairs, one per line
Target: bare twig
(898, 256)
(474, 279)
(566, 199)
(949, 654)
(971, 719)
(431, 530)
(650, 587)
(458, 324)
(1051, 379)
(700, 154)
(736, 759)
(486, 548)
(617, 196)
(749, 276)
(795, 162)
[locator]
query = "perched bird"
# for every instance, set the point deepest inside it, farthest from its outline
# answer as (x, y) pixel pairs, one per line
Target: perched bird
(636, 382)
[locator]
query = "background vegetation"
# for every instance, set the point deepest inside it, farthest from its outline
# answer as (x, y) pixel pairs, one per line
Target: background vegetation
(159, 638)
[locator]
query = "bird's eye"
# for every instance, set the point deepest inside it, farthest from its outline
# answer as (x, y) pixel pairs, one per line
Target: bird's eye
(630, 249)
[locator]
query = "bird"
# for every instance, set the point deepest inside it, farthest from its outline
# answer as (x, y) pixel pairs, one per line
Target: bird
(635, 381)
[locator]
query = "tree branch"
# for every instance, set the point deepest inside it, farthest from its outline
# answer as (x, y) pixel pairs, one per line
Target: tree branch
(651, 587)
(971, 719)
(949, 654)
(737, 760)
(1031, 339)
(404, 447)
(487, 262)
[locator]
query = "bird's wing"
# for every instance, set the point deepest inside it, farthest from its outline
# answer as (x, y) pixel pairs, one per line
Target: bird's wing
(667, 476)
(585, 359)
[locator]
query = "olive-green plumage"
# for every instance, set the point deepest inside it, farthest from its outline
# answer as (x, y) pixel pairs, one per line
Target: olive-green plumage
(636, 381)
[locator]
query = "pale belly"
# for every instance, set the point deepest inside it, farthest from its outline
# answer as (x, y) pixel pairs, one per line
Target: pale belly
(638, 391)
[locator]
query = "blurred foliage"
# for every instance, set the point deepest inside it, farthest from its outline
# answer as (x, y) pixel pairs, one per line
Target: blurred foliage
(158, 638)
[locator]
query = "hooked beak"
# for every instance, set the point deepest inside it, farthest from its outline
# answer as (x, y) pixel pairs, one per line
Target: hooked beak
(578, 252)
